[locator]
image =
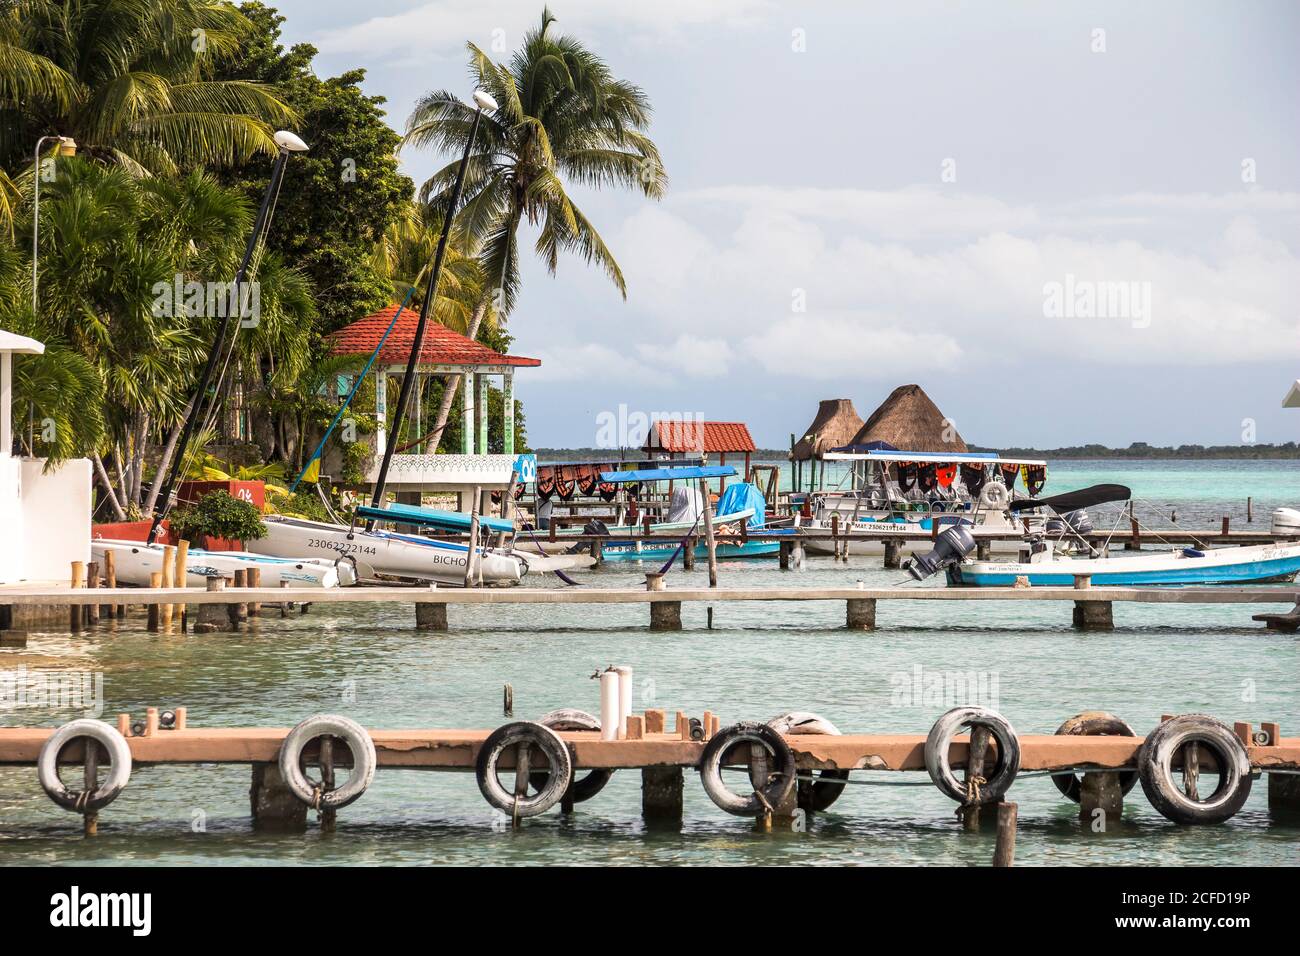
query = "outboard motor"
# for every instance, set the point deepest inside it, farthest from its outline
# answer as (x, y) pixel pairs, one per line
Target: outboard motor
(1080, 522)
(950, 547)
(593, 527)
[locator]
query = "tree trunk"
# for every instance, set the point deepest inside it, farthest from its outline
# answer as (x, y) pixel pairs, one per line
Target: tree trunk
(166, 460)
(453, 385)
(108, 487)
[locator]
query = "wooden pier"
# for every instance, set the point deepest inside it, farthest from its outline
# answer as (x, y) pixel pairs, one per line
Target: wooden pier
(1092, 606)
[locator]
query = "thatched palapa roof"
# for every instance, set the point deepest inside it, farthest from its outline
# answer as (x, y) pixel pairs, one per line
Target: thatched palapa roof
(910, 421)
(836, 423)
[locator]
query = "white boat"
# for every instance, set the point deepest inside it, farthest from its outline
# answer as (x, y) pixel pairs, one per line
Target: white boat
(377, 552)
(897, 493)
(135, 561)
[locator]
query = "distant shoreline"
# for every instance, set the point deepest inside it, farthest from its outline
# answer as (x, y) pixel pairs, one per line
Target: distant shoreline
(1289, 451)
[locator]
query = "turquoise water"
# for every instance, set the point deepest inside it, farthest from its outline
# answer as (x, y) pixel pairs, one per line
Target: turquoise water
(369, 663)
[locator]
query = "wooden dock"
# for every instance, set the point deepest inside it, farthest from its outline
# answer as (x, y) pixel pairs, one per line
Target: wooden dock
(1092, 605)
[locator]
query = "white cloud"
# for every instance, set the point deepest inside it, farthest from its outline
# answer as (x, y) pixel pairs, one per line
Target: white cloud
(690, 356)
(443, 27)
(590, 362)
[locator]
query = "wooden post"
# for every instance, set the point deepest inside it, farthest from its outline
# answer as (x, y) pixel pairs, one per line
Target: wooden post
(1004, 852)
(1224, 530)
(708, 534)
(78, 581)
(893, 554)
(473, 541)
(254, 581)
(155, 609)
(90, 782)
(239, 610)
(92, 581)
(507, 500)
(181, 573)
(1249, 516)
(168, 581)
(1134, 542)
(784, 556)
(110, 579)
(328, 816)
(975, 757)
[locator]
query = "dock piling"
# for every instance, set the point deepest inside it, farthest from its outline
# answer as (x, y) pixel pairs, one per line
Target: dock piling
(893, 555)
(273, 805)
(430, 616)
(783, 555)
(1094, 616)
(239, 610)
(1004, 852)
(861, 614)
(92, 581)
(969, 812)
(666, 615)
(1100, 792)
(78, 581)
(213, 617)
(661, 795)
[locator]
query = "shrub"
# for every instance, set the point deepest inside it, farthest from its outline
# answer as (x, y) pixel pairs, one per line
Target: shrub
(218, 515)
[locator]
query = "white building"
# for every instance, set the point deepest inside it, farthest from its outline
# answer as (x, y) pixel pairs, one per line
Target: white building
(45, 516)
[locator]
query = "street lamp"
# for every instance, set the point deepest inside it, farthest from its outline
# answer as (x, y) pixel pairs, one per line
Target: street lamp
(287, 143)
(482, 102)
(67, 147)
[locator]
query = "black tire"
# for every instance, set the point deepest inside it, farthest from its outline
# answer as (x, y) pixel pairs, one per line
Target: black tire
(775, 790)
(1155, 769)
(812, 796)
(1094, 723)
(940, 738)
(542, 742)
(570, 719)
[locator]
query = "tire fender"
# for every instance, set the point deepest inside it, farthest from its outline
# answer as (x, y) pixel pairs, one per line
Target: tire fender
(543, 742)
(569, 718)
(817, 795)
(1155, 769)
(1094, 723)
(775, 790)
(939, 740)
(79, 801)
(354, 737)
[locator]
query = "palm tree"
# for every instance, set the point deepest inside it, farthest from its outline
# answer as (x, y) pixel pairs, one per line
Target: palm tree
(561, 116)
(130, 81)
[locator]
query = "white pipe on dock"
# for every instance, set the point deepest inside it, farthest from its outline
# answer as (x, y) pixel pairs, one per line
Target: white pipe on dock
(610, 708)
(624, 698)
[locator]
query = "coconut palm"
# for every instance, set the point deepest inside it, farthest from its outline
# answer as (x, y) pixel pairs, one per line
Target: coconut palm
(130, 81)
(562, 117)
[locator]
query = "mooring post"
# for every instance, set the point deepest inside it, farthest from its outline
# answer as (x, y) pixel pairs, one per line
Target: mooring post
(239, 610)
(273, 805)
(74, 610)
(154, 610)
(328, 816)
(1100, 792)
(90, 783)
(688, 554)
(254, 581)
(893, 554)
(784, 555)
(110, 581)
(654, 581)
(975, 757)
(861, 614)
(661, 795)
(430, 615)
(92, 581)
(1004, 852)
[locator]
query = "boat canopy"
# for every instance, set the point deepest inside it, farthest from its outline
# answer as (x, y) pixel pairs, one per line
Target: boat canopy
(1074, 500)
(668, 474)
(431, 518)
(616, 463)
(957, 458)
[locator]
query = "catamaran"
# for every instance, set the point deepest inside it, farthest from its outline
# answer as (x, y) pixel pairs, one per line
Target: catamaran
(899, 493)
(135, 561)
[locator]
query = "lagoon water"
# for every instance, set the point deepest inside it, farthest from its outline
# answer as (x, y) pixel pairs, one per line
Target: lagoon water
(369, 663)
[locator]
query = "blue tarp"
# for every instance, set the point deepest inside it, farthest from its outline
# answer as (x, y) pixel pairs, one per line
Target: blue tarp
(431, 517)
(739, 497)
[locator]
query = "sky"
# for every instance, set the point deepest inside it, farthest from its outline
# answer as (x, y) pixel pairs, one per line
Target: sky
(1069, 222)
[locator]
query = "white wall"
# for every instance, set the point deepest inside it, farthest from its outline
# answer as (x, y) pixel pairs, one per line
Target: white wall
(55, 519)
(12, 555)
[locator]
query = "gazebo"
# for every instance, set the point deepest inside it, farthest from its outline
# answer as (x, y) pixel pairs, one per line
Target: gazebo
(910, 421)
(445, 354)
(691, 438)
(835, 424)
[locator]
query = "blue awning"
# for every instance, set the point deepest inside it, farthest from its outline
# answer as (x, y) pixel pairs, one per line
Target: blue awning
(668, 474)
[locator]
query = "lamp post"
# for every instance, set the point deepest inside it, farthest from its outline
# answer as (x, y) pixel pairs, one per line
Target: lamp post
(67, 147)
(482, 101)
(288, 143)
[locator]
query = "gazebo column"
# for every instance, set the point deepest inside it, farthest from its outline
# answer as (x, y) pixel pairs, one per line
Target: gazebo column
(482, 401)
(381, 412)
(467, 431)
(508, 413)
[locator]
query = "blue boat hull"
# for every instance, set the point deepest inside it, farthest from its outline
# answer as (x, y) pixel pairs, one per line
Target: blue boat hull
(1278, 569)
(661, 552)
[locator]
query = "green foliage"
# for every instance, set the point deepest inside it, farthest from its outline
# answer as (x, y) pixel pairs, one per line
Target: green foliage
(218, 515)
(339, 196)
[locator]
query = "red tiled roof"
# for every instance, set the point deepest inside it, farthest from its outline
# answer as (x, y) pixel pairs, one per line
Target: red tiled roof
(442, 346)
(696, 436)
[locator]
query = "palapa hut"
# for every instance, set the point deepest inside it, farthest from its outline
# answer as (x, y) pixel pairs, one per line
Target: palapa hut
(910, 421)
(836, 423)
